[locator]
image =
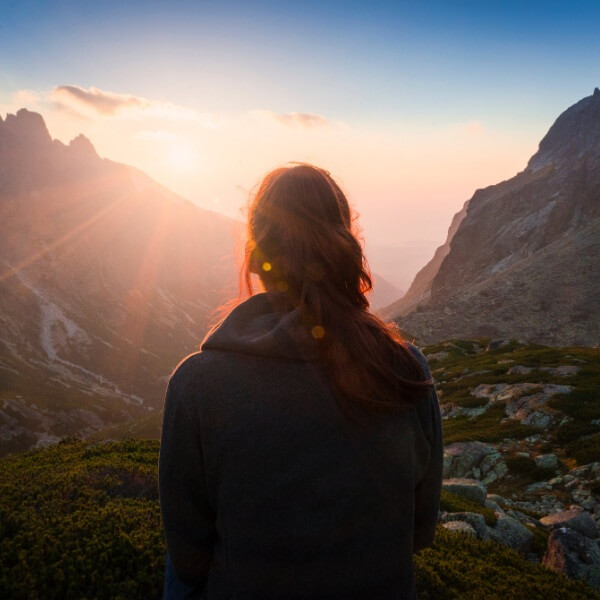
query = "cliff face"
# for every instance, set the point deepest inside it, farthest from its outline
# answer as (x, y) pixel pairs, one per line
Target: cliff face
(106, 280)
(523, 260)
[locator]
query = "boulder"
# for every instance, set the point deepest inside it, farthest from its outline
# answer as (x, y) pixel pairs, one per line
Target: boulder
(495, 344)
(474, 460)
(573, 554)
(519, 370)
(459, 527)
(512, 533)
(547, 461)
(475, 520)
(576, 519)
(471, 489)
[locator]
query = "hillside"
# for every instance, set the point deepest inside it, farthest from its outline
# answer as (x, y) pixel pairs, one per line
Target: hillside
(106, 280)
(520, 258)
(87, 524)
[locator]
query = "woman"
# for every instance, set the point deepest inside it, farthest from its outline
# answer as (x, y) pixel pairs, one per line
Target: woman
(301, 450)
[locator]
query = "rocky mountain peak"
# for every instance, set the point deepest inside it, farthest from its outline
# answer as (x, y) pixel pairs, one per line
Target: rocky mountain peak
(83, 147)
(574, 134)
(29, 125)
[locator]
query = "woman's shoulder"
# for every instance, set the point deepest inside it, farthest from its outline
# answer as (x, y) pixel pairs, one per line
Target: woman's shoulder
(418, 354)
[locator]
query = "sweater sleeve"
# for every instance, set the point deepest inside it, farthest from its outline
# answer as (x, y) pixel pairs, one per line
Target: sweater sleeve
(428, 489)
(188, 519)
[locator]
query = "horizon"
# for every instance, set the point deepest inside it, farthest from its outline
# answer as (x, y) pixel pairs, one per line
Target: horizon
(410, 108)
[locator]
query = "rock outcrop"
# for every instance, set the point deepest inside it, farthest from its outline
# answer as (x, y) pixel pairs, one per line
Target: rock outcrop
(521, 263)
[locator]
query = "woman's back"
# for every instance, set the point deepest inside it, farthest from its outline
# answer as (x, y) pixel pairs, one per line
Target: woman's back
(269, 490)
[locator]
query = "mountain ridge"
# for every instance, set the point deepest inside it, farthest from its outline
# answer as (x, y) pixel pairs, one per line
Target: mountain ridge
(516, 227)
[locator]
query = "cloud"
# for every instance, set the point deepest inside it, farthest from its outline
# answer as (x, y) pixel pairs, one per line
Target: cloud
(294, 119)
(472, 127)
(102, 103)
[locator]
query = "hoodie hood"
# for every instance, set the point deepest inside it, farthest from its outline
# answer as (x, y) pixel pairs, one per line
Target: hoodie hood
(260, 326)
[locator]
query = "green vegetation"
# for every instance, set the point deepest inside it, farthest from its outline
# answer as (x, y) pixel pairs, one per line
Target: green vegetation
(458, 567)
(527, 467)
(488, 427)
(453, 503)
(468, 365)
(81, 520)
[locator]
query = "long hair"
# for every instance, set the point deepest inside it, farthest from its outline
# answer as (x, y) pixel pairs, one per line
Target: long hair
(302, 242)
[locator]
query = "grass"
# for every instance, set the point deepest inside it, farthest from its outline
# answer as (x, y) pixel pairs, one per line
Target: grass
(453, 503)
(488, 427)
(82, 520)
(458, 373)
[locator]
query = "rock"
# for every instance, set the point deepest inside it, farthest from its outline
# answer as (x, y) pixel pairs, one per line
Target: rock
(495, 344)
(496, 498)
(475, 520)
(562, 370)
(555, 481)
(573, 554)
(474, 460)
(459, 527)
(493, 505)
(538, 485)
(471, 489)
(512, 533)
(437, 355)
(547, 461)
(519, 370)
(578, 520)
(523, 518)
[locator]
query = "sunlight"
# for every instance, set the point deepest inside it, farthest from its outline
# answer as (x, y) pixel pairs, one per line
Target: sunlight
(182, 156)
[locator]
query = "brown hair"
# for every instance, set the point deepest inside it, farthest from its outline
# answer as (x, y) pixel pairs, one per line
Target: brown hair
(303, 243)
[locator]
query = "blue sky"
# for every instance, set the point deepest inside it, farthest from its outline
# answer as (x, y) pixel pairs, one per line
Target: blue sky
(358, 60)
(418, 103)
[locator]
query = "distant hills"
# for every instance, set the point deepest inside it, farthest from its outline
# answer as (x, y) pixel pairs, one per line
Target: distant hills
(106, 280)
(521, 257)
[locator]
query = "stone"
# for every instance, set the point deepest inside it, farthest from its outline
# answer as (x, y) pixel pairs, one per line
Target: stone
(519, 370)
(510, 532)
(547, 461)
(493, 505)
(523, 518)
(459, 527)
(538, 485)
(473, 460)
(573, 554)
(579, 520)
(437, 355)
(475, 520)
(562, 370)
(495, 344)
(471, 489)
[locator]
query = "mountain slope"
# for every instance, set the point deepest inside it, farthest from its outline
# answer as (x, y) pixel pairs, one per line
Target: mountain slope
(98, 506)
(522, 260)
(106, 279)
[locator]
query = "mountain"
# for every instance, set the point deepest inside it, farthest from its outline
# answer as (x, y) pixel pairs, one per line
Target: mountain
(106, 280)
(521, 256)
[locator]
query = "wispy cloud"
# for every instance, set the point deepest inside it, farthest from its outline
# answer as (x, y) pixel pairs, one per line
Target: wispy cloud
(472, 127)
(294, 119)
(101, 103)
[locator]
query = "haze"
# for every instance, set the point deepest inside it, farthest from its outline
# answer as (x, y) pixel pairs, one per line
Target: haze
(410, 107)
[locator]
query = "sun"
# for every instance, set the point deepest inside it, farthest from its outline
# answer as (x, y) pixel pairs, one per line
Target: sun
(182, 156)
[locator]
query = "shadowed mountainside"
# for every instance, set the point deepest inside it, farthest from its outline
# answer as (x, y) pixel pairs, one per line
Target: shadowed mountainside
(106, 280)
(521, 256)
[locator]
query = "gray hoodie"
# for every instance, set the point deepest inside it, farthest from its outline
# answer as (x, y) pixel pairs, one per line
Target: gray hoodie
(269, 491)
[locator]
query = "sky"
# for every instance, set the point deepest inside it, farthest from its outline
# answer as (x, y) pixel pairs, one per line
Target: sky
(411, 106)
